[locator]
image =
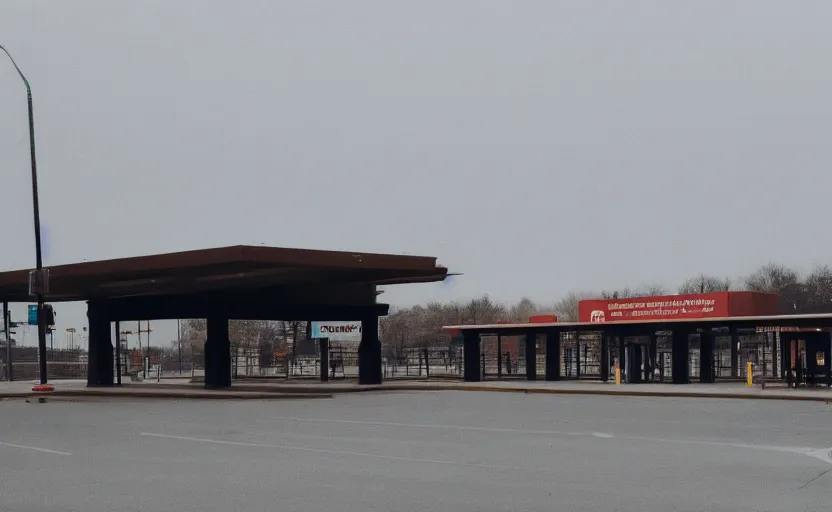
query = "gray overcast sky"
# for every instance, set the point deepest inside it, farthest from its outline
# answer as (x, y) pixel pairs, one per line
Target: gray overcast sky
(536, 146)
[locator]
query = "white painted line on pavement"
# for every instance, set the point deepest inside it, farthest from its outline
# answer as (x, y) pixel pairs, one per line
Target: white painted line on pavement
(425, 425)
(818, 453)
(602, 435)
(822, 454)
(34, 448)
(335, 452)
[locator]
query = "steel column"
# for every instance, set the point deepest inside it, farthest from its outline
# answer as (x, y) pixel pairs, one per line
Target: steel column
(369, 352)
(100, 360)
(706, 357)
(217, 353)
(605, 357)
(323, 345)
(653, 356)
(680, 357)
(622, 354)
(784, 356)
(499, 356)
(7, 330)
(118, 354)
(531, 356)
(471, 356)
(552, 355)
(634, 361)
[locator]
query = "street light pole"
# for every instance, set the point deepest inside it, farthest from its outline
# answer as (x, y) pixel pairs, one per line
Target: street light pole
(7, 328)
(179, 344)
(36, 208)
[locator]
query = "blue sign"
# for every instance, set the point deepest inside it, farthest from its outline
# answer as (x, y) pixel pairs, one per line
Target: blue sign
(33, 314)
(337, 331)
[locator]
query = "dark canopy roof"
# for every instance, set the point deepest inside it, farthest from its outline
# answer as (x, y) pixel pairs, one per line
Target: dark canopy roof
(225, 268)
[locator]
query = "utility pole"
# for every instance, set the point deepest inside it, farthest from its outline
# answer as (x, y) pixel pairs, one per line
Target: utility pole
(141, 355)
(126, 346)
(295, 339)
(179, 343)
(148, 345)
(145, 365)
(118, 355)
(39, 278)
(7, 330)
(71, 332)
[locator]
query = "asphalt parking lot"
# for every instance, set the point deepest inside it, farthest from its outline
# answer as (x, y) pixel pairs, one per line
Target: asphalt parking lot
(409, 451)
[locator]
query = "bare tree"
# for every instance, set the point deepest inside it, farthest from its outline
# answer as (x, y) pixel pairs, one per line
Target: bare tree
(193, 333)
(781, 280)
(393, 331)
(619, 294)
(650, 290)
(771, 278)
(567, 308)
(817, 290)
(521, 311)
(484, 310)
(705, 284)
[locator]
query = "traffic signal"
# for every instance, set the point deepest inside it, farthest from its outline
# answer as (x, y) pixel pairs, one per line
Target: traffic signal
(48, 315)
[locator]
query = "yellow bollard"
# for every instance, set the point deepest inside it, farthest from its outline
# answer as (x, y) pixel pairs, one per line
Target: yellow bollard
(748, 378)
(617, 373)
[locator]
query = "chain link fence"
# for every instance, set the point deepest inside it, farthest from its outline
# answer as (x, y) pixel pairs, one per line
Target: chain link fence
(60, 363)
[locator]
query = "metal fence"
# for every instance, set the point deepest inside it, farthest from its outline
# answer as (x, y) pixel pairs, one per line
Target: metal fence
(580, 357)
(427, 362)
(60, 363)
(411, 362)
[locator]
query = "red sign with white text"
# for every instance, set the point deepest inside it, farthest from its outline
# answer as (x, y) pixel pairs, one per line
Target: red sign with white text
(674, 307)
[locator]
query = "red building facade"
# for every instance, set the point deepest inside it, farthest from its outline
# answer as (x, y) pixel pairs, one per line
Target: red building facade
(678, 307)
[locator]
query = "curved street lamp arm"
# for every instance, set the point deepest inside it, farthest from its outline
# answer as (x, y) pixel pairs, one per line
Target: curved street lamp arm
(22, 76)
(35, 201)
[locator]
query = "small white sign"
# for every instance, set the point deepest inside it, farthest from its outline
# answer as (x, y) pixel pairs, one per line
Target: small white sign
(337, 331)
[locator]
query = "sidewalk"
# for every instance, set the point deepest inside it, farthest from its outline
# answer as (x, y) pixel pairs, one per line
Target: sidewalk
(183, 389)
(728, 390)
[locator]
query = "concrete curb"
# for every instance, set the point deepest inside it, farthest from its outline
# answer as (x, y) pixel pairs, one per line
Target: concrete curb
(185, 395)
(671, 394)
(308, 389)
(306, 392)
(279, 381)
(312, 390)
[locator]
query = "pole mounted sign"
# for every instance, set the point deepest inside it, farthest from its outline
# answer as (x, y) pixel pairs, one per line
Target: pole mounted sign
(48, 314)
(39, 282)
(337, 331)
